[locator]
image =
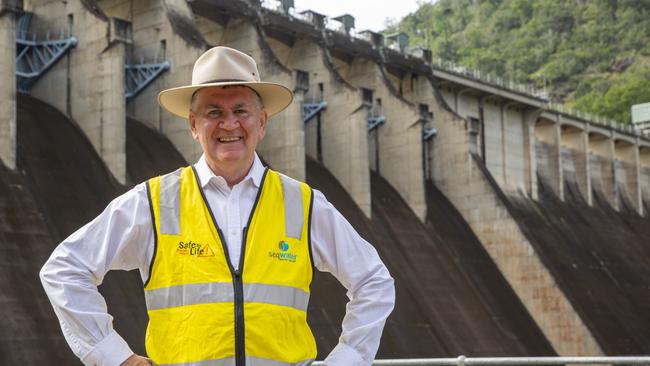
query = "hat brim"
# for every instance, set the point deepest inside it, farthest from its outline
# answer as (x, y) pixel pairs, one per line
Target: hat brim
(275, 97)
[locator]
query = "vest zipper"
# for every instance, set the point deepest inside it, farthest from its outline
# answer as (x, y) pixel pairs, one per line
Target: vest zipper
(240, 336)
(238, 290)
(240, 359)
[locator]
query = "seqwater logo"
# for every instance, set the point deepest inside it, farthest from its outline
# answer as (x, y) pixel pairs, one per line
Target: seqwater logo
(284, 246)
(283, 254)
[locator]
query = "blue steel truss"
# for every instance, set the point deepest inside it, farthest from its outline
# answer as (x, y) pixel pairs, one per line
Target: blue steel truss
(375, 121)
(429, 133)
(310, 110)
(34, 58)
(138, 76)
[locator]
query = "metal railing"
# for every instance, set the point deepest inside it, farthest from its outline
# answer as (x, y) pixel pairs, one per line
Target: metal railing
(534, 92)
(594, 119)
(529, 89)
(469, 361)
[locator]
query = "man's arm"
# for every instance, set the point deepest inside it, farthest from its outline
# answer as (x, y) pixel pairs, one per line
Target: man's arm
(338, 249)
(119, 238)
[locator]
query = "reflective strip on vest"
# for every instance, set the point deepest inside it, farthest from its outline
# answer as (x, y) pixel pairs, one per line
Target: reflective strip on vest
(250, 361)
(205, 293)
(293, 209)
(170, 207)
(194, 293)
(276, 295)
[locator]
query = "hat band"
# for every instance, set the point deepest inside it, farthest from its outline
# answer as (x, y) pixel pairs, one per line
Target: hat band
(226, 81)
(223, 81)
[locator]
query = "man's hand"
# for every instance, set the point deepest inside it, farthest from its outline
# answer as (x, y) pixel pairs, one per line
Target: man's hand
(136, 360)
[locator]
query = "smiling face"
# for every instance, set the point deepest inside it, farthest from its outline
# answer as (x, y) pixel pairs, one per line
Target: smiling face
(228, 122)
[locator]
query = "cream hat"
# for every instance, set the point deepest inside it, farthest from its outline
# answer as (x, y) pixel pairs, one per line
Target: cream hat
(220, 66)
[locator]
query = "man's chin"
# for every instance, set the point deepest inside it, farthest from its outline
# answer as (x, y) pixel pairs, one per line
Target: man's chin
(231, 158)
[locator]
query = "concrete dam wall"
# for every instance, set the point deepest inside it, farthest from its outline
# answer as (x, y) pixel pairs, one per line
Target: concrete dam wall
(509, 168)
(49, 197)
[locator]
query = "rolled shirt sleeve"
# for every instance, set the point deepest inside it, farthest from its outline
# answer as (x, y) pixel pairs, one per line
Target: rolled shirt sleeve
(339, 249)
(120, 237)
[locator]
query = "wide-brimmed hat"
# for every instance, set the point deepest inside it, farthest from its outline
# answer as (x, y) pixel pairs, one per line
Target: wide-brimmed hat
(220, 66)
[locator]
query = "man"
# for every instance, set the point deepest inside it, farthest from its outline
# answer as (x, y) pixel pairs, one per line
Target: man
(225, 248)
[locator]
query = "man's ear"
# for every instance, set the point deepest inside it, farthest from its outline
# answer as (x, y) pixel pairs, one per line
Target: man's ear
(191, 121)
(264, 118)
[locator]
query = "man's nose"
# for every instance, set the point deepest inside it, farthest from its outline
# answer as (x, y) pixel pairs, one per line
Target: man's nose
(229, 121)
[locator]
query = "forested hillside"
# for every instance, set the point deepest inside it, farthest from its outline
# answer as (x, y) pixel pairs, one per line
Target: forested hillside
(593, 55)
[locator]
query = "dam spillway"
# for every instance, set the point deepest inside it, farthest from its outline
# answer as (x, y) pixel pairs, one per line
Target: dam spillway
(518, 193)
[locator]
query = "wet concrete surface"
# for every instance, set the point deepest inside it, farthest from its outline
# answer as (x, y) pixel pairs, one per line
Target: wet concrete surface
(599, 258)
(70, 185)
(506, 327)
(30, 333)
(451, 298)
(61, 185)
(149, 153)
(408, 332)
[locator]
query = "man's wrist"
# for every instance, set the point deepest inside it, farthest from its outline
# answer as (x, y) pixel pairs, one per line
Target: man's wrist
(110, 351)
(344, 355)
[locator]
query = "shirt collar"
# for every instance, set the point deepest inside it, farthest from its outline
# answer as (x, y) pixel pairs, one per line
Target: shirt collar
(206, 174)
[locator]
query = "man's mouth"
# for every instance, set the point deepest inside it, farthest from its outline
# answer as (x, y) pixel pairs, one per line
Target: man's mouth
(227, 139)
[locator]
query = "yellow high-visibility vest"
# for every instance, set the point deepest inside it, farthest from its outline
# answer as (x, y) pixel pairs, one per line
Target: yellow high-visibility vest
(204, 312)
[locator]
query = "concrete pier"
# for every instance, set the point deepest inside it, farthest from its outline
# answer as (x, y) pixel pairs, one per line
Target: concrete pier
(399, 139)
(575, 166)
(8, 14)
(644, 161)
(601, 160)
(88, 84)
(339, 135)
(627, 174)
(162, 30)
(548, 155)
(499, 132)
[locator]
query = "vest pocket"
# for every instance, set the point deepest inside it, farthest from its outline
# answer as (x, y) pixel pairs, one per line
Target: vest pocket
(278, 333)
(191, 333)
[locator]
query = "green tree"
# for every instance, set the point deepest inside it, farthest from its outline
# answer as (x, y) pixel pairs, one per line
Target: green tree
(594, 54)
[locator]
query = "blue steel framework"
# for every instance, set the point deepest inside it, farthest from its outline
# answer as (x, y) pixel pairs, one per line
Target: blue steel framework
(138, 76)
(310, 110)
(34, 58)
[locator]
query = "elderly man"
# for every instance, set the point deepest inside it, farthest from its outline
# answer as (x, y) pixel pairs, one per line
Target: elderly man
(225, 247)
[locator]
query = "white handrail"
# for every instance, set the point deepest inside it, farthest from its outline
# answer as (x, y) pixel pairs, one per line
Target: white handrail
(468, 361)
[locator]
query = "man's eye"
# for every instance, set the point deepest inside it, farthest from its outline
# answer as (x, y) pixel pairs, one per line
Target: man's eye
(240, 111)
(214, 113)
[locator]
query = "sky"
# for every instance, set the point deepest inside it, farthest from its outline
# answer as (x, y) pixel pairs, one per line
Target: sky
(368, 14)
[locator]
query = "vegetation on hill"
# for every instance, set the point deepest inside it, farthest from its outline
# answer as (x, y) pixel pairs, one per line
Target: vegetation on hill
(593, 55)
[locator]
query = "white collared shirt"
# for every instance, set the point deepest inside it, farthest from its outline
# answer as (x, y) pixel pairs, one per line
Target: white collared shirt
(122, 238)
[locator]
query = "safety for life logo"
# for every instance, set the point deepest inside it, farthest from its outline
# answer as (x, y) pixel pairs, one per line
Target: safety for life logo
(283, 254)
(194, 249)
